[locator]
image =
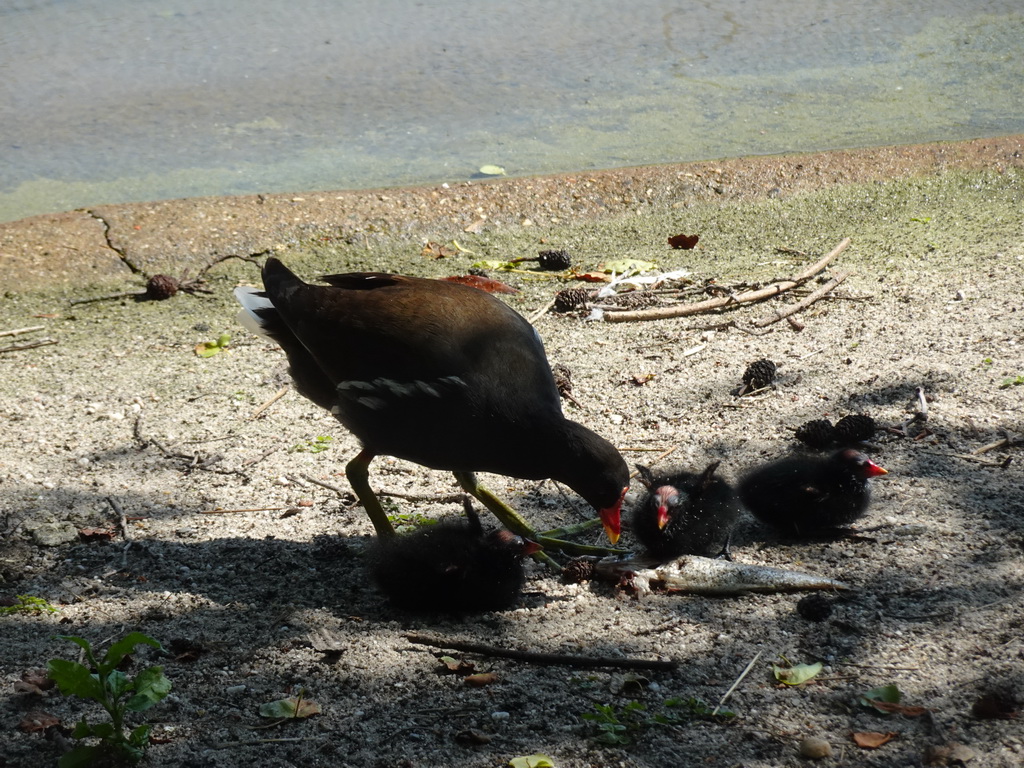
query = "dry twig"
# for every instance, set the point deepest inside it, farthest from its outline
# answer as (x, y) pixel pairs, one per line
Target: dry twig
(735, 685)
(538, 657)
(683, 310)
(269, 402)
(28, 345)
(19, 331)
(803, 303)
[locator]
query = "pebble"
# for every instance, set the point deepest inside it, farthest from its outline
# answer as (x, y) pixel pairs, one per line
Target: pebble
(815, 748)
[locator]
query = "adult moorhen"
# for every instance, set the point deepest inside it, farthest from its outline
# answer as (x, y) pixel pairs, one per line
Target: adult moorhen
(685, 513)
(451, 567)
(806, 494)
(437, 373)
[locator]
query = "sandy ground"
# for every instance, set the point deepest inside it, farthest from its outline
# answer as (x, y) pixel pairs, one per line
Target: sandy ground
(244, 568)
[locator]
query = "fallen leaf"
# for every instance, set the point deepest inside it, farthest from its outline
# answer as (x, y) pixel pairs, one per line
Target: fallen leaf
(684, 242)
(473, 737)
(884, 694)
(798, 673)
(628, 265)
(457, 666)
(37, 720)
(290, 708)
(486, 284)
(96, 534)
(532, 761)
(902, 709)
(437, 251)
(37, 678)
(491, 264)
(480, 679)
(873, 739)
(592, 277)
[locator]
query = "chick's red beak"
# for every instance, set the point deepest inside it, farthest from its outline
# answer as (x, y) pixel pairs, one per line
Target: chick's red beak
(666, 496)
(610, 518)
(662, 516)
(873, 470)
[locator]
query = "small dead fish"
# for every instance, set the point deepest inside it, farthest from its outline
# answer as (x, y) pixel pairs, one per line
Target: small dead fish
(707, 576)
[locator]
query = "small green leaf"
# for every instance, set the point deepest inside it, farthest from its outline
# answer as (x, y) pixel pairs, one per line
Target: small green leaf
(74, 679)
(492, 170)
(151, 687)
(118, 684)
(889, 694)
(140, 736)
(532, 761)
(116, 653)
(798, 673)
(290, 708)
(81, 757)
(82, 729)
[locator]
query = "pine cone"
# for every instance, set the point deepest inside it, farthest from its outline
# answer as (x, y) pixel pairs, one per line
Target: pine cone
(818, 433)
(759, 374)
(854, 428)
(636, 299)
(571, 299)
(578, 570)
(814, 607)
(160, 287)
(554, 261)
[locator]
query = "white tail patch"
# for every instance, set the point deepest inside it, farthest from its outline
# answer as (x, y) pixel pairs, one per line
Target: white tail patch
(251, 301)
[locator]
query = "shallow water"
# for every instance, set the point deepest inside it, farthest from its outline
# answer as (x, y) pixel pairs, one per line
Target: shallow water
(113, 100)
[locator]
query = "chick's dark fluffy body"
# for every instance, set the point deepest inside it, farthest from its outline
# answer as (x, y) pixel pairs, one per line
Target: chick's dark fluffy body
(807, 494)
(451, 567)
(702, 512)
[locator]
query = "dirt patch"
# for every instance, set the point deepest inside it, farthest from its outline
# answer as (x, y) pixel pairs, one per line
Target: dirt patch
(228, 549)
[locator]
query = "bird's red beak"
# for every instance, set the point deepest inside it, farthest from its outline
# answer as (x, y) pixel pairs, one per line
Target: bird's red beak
(873, 470)
(610, 518)
(665, 494)
(662, 516)
(530, 547)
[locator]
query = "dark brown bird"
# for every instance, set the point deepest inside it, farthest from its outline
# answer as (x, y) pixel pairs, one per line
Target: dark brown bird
(806, 494)
(437, 373)
(686, 513)
(451, 567)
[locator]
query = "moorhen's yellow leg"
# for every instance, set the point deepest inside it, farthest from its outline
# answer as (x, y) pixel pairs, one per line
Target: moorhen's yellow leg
(515, 522)
(358, 472)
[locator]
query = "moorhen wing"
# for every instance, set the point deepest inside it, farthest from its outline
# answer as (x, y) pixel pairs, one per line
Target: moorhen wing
(451, 567)
(807, 494)
(685, 513)
(438, 373)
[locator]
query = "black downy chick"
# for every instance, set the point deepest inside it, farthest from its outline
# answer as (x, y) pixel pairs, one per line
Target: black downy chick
(807, 494)
(686, 514)
(452, 567)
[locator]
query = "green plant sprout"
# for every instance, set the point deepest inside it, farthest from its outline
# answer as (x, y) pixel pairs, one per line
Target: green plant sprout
(117, 693)
(27, 604)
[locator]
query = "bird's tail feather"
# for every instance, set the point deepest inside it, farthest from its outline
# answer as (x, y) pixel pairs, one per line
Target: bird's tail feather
(257, 310)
